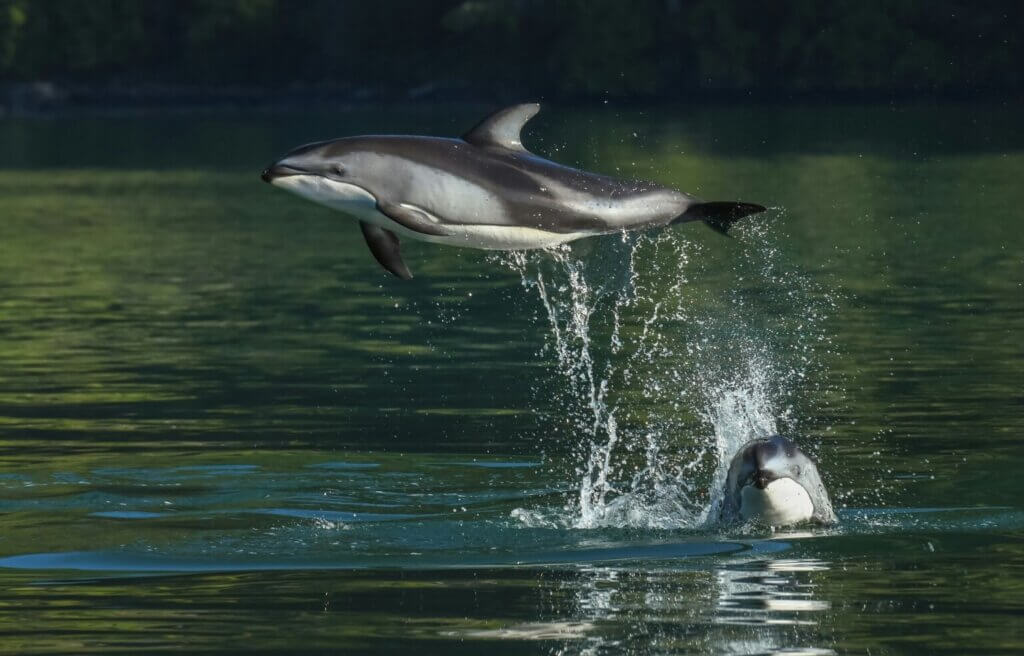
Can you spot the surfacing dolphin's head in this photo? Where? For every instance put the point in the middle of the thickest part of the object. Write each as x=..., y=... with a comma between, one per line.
x=324, y=172
x=772, y=481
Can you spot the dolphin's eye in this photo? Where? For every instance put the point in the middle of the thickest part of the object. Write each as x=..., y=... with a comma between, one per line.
x=338, y=169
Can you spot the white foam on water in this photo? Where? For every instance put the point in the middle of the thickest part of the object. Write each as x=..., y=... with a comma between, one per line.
x=662, y=379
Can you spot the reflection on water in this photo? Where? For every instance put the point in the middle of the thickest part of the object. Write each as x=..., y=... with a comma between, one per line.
x=765, y=597
x=764, y=592
x=773, y=602
x=222, y=428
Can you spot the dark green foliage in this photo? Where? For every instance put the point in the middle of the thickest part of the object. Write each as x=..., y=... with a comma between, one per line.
x=560, y=48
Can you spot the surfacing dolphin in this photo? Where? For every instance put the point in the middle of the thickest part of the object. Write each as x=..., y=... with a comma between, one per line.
x=484, y=190
x=771, y=481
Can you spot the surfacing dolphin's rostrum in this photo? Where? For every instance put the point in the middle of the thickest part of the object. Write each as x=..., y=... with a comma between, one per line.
x=484, y=190
x=771, y=481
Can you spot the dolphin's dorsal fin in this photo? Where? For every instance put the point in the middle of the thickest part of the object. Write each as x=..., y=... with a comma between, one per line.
x=502, y=128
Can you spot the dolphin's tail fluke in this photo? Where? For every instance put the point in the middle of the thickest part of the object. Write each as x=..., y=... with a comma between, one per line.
x=718, y=215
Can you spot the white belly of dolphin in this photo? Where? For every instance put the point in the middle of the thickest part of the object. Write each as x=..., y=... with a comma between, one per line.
x=492, y=237
x=361, y=204
x=781, y=503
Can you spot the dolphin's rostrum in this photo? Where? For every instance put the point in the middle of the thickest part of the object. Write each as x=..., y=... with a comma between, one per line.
x=772, y=481
x=484, y=190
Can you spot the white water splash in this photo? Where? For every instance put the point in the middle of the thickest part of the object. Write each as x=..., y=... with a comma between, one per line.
x=738, y=410
x=649, y=361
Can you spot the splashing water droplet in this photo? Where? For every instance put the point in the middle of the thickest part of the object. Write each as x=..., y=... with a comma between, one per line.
x=648, y=363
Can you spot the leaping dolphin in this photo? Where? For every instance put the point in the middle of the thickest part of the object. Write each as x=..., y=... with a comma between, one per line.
x=772, y=481
x=484, y=190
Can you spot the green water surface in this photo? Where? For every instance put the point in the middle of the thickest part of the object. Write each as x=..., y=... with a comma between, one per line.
x=223, y=428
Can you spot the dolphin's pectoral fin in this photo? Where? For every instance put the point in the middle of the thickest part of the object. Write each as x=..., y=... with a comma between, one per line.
x=385, y=248
x=502, y=128
x=412, y=218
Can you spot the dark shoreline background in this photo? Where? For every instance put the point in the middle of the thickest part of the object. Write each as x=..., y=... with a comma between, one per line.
x=120, y=55
x=51, y=100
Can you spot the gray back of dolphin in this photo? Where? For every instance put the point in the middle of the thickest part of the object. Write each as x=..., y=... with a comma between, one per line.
x=484, y=190
x=761, y=461
x=498, y=186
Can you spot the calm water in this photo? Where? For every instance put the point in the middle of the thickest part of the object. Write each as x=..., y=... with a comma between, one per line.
x=224, y=429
